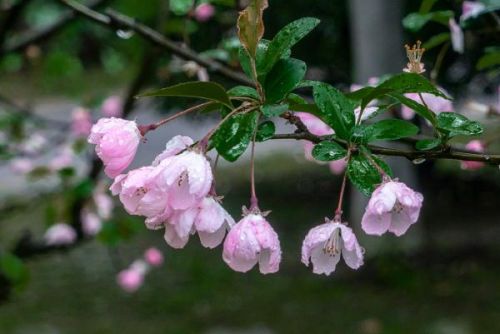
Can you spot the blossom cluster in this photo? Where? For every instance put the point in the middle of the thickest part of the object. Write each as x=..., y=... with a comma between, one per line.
x=176, y=192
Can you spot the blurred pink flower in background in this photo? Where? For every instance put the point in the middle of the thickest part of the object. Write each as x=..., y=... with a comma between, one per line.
x=91, y=223
x=112, y=106
x=474, y=146
x=471, y=9
x=457, y=36
x=436, y=103
x=81, y=122
x=116, y=143
x=153, y=257
x=64, y=158
x=33, y=144
x=130, y=279
x=204, y=12
x=21, y=165
x=60, y=234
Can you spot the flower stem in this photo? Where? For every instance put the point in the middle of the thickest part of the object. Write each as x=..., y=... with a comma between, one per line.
x=146, y=128
x=338, y=211
x=254, y=202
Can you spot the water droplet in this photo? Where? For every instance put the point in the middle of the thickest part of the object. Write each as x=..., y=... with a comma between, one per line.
x=124, y=34
x=487, y=157
x=418, y=161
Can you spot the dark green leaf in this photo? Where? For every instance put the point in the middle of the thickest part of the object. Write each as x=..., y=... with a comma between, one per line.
x=283, y=78
x=390, y=129
x=233, y=137
x=285, y=39
x=243, y=91
x=273, y=110
x=198, y=89
x=328, y=151
x=308, y=83
x=436, y=40
x=181, y=7
x=416, y=21
x=364, y=175
x=427, y=144
x=14, y=269
x=265, y=131
x=293, y=98
x=490, y=59
x=415, y=106
x=336, y=109
x=306, y=107
x=456, y=124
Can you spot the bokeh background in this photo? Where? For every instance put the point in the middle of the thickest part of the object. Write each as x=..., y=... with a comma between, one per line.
x=441, y=278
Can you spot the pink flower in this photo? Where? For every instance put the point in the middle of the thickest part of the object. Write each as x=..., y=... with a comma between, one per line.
x=314, y=124
x=471, y=9
x=153, y=257
x=60, y=234
x=21, y=165
x=104, y=204
x=212, y=222
x=81, y=122
x=116, y=143
x=474, y=146
x=435, y=103
x=179, y=227
x=130, y=279
x=141, y=192
x=112, y=107
x=173, y=147
x=188, y=178
x=64, y=158
x=91, y=223
x=252, y=240
x=393, y=207
x=204, y=12
x=457, y=36
x=324, y=244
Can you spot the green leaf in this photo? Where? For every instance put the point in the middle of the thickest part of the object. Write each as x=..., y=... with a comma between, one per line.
x=283, y=78
x=181, y=7
x=14, y=269
x=328, y=151
x=273, y=110
x=285, y=39
x=336, y=109
x=436, y=40
x=416, y=21
x=488, y=60
x=198, y=89
x=306, y=107
x=390, y=129
x=427, y=144
x=293, y=98
x=265, y=131
x=417, y=107
x=364, y=175
x=456, y=124
x=243, y=91
x=251, y=25
x=401, y=84
x=234, y=135
x=308, y=83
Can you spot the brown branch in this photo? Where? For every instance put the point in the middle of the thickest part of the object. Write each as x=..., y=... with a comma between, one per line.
x=117, y=21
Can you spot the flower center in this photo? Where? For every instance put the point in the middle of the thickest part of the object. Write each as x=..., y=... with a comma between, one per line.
x=182, y=178
x=333, y=245
x=414, y=55
x=141, y=191
x=398, y=207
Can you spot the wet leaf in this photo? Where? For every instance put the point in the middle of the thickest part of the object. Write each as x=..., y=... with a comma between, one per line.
x=328, y=151
x=233, y=137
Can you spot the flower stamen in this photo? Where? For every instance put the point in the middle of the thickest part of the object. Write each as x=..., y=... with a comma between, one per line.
x=414, y=55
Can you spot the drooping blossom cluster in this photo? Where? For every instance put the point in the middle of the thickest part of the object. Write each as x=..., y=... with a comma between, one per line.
x=132, y=278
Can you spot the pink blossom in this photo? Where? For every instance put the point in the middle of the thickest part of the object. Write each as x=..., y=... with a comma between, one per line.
x=130, y=279
x=314, y=124
x=173, y=147
x=91, y=223
x=21, y=165
x=153, y=257
x=474, y=146
x=60, y=234
x=252, y=240
x=204, y=12
x=179, y=226
x=81, y=122
x=471, y=9
x=212, y=222
x=393, y=207
x=104, y=204
x=112, y=107
x=337, y=167
x=457, y=36
x=34, y=144
x=324, y=244
x=436, y=103
x=141, y=192
x=64, y=158
x=188, y=178
x=116, y=143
